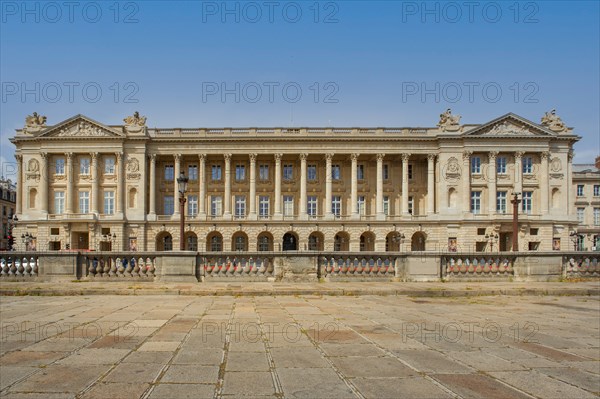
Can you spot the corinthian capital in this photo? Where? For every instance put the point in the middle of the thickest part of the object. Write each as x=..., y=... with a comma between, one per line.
x=467, y=155
x=431, y=157
x=380, y=157
x=329, y=156
x=405, y=157
x=252, y=157
x=303, y=156
x=227, y=157
x=519, y=154
x=492, y=155
x=545, y=154
x=278, y=157
x=354, y=157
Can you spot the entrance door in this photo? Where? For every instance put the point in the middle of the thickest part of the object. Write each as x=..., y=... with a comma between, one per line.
x=81, y=240
x=505, y=241
x=289, y=242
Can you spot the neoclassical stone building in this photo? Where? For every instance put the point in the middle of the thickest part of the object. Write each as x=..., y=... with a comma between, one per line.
x=83, y=184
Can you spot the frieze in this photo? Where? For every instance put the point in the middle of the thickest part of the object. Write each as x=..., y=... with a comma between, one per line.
x=555, y=165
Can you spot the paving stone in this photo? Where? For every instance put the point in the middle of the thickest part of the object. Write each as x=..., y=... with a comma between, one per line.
x=95, y=356
x=431, y=361
x=372, y=367
x=58, y=345
x=116, y=391
x=24, y=358
x=211, y=356
x=415, y=387
x=579, y=378
x=178, y=373
x=315, y=383
x=363, y=350
x=297, y=358
x=475, y=386
x=148, y=357
x=483, y=361
x=34, y=395
x=59, y=378
x=540, y=385
x=11, y=374
x=138, y=372
x=248, y=383
x=182, y=391
x=159, y=346
x=247, y=361
x=592, y=367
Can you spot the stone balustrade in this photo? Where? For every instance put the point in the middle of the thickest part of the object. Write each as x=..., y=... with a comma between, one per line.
x=115, y=265
x=477, y=265
x=581, y=265
x=357, y=265
x=255, y=266
x=18, y=265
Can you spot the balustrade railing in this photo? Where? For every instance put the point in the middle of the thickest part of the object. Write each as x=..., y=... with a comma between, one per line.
x=223, y=265
x=368, y=265
x=475, y=265
x=16, y=264
x=116, y=265
x=581, y=265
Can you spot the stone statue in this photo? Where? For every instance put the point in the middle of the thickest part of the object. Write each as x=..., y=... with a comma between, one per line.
x=449, y=122
x=34, y=123
x=135, y=123
x=553, y=122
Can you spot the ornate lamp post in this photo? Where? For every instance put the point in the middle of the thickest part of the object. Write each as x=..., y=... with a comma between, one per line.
x=515, y=201
x=182, y=182
x=574, y=235
x=491, y=239
x=27, y=239
x=109, y=238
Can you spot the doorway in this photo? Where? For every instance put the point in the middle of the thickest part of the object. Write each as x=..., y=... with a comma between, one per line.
x=81, y=240
x=505, y=241
x=290, y=242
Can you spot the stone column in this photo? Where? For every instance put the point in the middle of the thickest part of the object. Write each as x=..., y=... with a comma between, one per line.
x=544, y=185
x=405, y=158
x=277, y=199
x=95, y=175
x=354, y=187
x=202, y=188
x=44, y=178
x=152, y=202
x=227, y=195
x=379, y=188
x=252, y=211
x=302, y=214
x=466, y=181
x=328, y=186
x=518, y=185
x=120, y=182
x=491, y=179
x=177, y=158
x=431, y=184
x=70, y=179
x=20, y=191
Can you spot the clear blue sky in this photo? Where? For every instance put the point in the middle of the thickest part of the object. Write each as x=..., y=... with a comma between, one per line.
x=367, y=59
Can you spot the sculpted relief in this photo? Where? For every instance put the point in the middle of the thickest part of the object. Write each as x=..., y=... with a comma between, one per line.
x=34, y=123
x=135, y=123
x=449, y=122
x=553, y=122
x=82, y=129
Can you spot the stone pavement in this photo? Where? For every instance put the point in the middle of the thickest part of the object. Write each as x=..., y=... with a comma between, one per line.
x=299, y=346
x=237, y=288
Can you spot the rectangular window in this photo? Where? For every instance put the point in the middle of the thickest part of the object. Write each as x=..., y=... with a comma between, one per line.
x=596, y=190
x=311, y=171
x=216, y=173
x=263, y=172
x=84, y=166
x=410, y=171
x=475, y=165
x=596, y=216
x=336, y=205
x=411, y=204
x=240, y=172
x=476, y=202
x=360, y=172
x=169, y=172
x=240, y=206
x=288, y=172
x=84, y=202
x=501, y=202
x=580, y=215
x=527, y=202
x=192, y=205
x=501, y=165
x=109, y=165
x=288, y=205
x=193, y=172
x=109, y=202
x=580, y=190
x=263, y=206
x=360, y=205
x=312, y=205
x=169, y=205
x=59, y=202
x=386, y=205
x=386, y=171
x=336, y=173
x=59, y=166
x=216, y=205
x=527, y=165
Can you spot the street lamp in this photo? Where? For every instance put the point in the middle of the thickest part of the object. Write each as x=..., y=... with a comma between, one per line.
x=574, y=235
x=182, y=182
x=109, y=238
x=515, y=201
x=491, y=239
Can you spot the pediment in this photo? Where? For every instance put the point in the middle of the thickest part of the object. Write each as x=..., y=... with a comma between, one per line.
x=510, y=125
x=80, y=126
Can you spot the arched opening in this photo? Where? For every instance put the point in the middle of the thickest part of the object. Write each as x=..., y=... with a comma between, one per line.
x=367, y=241
x=132, y=198
x=452, y=197
x=32, y=198
x=265, y=241
x=191, y=241
x=290, y=242
x=315, y=241
x=341, y=241
x=164, y=241
x=394, y=241
x=555, y=198
x=214, y=242
x=417, y=242
x=239, y=241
